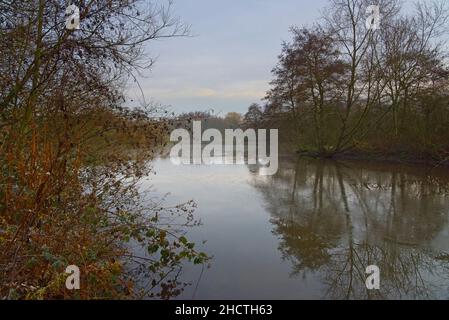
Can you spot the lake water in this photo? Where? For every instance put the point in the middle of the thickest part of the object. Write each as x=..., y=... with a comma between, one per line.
x=310, y=231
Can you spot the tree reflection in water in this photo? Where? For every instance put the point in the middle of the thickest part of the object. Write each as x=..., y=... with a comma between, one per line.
x=337, y=218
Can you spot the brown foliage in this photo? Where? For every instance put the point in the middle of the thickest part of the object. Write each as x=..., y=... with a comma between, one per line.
x=71, y=154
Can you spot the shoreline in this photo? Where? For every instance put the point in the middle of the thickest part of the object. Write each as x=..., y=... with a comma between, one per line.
x=389, y=158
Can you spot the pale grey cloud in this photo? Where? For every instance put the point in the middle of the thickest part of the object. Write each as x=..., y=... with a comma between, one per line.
x=226, y=64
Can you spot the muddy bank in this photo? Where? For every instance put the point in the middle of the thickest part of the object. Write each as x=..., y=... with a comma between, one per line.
x=382, y=157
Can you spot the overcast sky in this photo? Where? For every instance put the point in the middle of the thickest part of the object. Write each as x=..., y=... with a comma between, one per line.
x=226, y=65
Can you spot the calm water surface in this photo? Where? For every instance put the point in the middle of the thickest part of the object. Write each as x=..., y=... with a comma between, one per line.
x=310, y=231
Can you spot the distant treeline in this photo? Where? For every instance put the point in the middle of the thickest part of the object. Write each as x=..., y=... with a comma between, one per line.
x=210, y=120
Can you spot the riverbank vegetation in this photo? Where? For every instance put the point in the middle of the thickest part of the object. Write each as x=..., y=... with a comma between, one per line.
x=341, y=88
x=68, y=169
